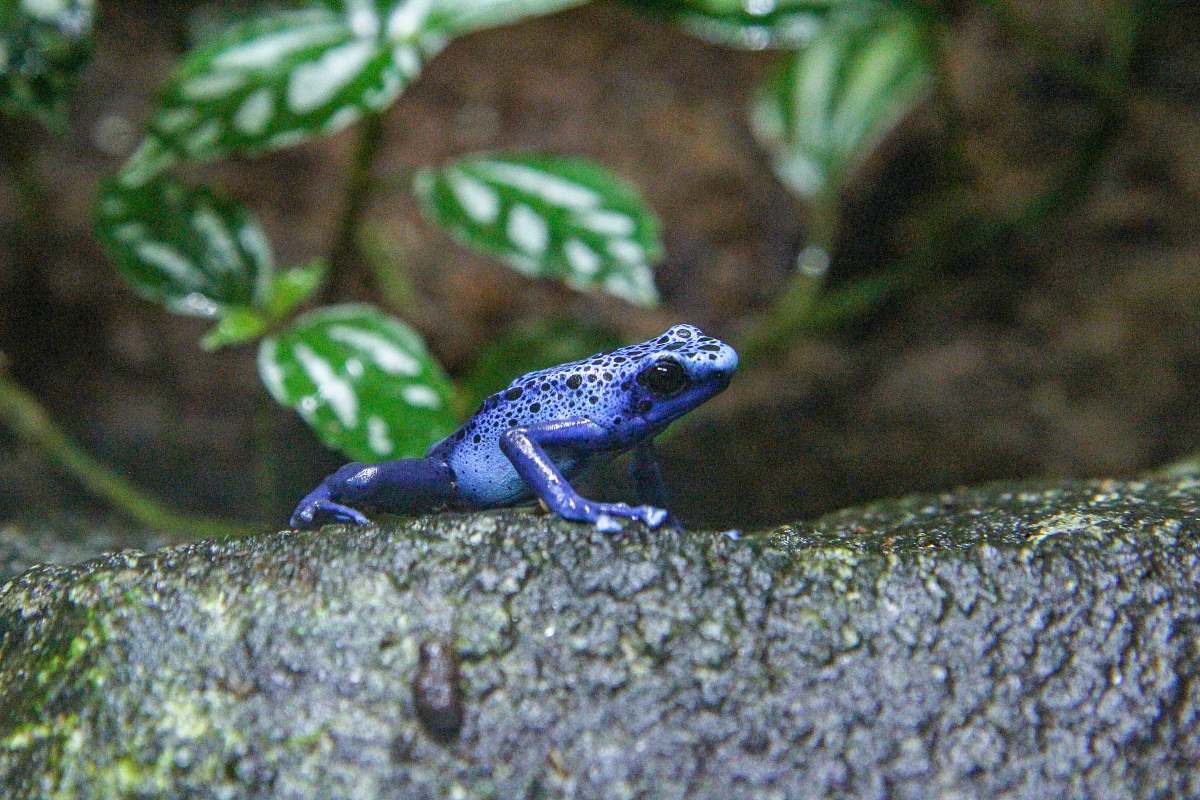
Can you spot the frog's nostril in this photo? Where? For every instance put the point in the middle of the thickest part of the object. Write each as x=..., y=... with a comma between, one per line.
x=726, y=361
x=733, y=359
x=718, y=367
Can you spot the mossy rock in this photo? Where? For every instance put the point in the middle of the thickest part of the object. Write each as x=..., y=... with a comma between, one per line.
x=1027, y=641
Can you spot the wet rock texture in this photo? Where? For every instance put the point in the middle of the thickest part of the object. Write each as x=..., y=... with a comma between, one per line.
x=1037, y=641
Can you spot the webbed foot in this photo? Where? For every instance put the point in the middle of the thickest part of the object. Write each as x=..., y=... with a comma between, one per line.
x=606, y=516
x=317, y=512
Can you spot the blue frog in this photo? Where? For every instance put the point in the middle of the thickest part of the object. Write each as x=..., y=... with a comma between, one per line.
x=546, y=427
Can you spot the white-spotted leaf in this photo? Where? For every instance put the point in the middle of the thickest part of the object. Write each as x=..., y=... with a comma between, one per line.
x=44, y=45
x=185, y=247
x=364, y=382
x=548, y=216
x=839, y=96
x=457, y=17
x=748, y=24
x=284, y=78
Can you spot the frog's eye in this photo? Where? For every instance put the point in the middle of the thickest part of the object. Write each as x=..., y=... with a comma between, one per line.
x=663, y=378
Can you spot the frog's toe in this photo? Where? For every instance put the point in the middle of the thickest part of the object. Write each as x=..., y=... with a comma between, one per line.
x=302, y=518
x=653, y=517
x=606, y=523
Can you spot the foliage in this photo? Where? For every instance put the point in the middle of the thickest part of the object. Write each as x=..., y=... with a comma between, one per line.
x=286, y=77
x=364, y=381
x=44, y=44
x=450, y=18
x=548, y=216
x=185, y=247
x=747, y=24
x=853, y=70
x=836, y=98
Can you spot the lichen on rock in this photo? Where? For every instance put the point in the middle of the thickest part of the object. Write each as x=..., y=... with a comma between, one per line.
x=1008, y=641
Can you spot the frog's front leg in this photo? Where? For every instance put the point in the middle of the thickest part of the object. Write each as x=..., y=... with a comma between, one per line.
x=647, y=478
x=646, y=475
x=524, y=448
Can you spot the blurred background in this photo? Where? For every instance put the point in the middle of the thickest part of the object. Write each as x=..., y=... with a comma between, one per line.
x=999, y=278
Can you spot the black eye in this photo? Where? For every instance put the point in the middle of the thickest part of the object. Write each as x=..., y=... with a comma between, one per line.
x=663, y=378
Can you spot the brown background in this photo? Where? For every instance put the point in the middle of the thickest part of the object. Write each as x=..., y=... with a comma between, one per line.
x=1071, y=349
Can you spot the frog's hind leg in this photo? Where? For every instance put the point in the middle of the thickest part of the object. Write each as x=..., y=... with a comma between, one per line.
x=405, y=485
x=317, y=508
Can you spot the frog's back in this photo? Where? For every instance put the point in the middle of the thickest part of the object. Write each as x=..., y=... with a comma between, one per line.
x=596, y=387
x=600, y=389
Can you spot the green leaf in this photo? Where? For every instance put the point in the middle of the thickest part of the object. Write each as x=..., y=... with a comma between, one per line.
x=549, y=216
x=542, y=344
x=284, y=292
x=238, y=326
x=291, y=288
x=44, y=45
x=193, y=251
x=362, y=380
x=285, y=78
x=457, y=17
x=208, y=21
x=836, y=99
x=747, y=24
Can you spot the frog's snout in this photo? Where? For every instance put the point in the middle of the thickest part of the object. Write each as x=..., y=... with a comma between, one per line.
x=717, y=365
x=727, y=362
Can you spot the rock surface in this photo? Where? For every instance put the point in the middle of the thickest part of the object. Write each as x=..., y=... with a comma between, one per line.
x=1030, y=641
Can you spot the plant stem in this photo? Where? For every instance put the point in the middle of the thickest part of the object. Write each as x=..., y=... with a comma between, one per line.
x=343, y=252
x=383, y=260
x=794, y=306
x=22, y=413
x=965, y=233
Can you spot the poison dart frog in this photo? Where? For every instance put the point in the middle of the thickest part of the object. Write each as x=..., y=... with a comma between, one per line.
x=548, y=426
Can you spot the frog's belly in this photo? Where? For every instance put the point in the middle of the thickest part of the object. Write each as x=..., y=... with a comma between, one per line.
x=486, y=480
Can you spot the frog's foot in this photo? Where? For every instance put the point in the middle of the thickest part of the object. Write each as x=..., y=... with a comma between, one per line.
x=673, y=523
x=607, y=516
x=317, y=512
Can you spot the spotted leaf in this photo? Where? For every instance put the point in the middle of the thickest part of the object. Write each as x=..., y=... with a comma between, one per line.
x=835, y=99
x=457, y=17
x=748, y=24
x=364, y=382
x=548, y=216
x=284, y=78
x=44, y=45
x=185, y=247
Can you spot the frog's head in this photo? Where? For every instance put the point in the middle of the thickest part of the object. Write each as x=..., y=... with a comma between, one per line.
x=677, y=371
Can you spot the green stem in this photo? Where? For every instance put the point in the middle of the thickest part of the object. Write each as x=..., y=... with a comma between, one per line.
x=793, y=308
x=382, y=258
x=964, y=233
x=343, y=253
x=22, y=413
